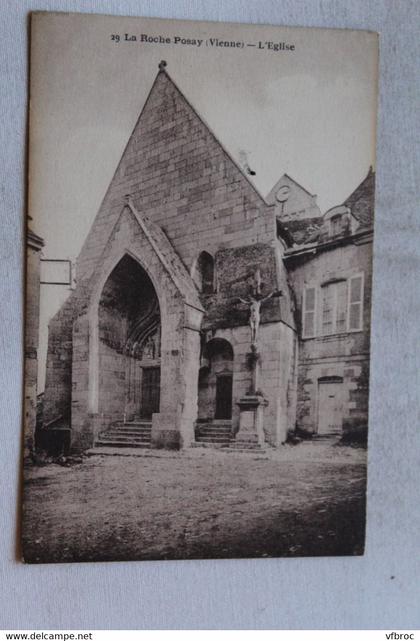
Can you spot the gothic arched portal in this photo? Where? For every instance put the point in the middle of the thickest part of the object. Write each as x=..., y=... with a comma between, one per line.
x=129, y=344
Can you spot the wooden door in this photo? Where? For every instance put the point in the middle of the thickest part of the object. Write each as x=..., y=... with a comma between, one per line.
x=224, y=397
x=150, y=392
x=330, y=407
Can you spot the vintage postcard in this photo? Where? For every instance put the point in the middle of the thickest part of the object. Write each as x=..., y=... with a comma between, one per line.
x=200, y=229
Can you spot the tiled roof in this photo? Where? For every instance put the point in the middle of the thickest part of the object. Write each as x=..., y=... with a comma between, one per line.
x=362, y=201
x=361, y=204
x=300, y=230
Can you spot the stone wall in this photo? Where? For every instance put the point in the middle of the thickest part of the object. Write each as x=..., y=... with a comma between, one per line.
x=34, y=246
x=58, y=377
x=235, y=271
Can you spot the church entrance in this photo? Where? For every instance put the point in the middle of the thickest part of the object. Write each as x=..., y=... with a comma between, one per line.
x=150, y=392
x=129, y=344
x=215, y=381
x=223, y=397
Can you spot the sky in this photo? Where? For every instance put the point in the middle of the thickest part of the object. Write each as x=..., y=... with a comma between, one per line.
x=309, y=112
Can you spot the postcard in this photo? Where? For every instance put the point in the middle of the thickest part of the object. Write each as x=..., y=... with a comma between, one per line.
x=199, y=272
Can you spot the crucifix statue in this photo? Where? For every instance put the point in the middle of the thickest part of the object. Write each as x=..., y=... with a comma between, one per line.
x=252, y=404
x=254, y=301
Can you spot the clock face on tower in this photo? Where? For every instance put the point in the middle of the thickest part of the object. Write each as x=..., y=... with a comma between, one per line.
x=283, y=194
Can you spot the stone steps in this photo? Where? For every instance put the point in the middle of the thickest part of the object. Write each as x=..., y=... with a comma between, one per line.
x=201, y=427
x=114, y=434
x=323, y=439
x=212, y=439
x=211, y=445
x=213, y=434
x=133, y=425
x=224, y=435
x=119, y=443
x=243, y=446
x=132, y=434
x=214, y=429
x=139, y=422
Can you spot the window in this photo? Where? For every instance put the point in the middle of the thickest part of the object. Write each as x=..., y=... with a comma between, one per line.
x=336, y=308
x=341, y=306
x=335, y=225
x=205, y=273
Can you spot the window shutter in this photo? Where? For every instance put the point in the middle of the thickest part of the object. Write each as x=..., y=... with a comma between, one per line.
x=328, y=309
x=355, y=318
x=308, y=316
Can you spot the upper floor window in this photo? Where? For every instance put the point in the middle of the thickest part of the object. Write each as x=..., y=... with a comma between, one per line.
x=205, y=273
x=334, y=308
x=339, y=221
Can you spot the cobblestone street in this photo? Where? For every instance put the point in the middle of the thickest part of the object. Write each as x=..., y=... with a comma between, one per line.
x=306, y=500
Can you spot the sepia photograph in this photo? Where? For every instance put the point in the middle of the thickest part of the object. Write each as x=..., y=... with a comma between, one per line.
x=198, y=289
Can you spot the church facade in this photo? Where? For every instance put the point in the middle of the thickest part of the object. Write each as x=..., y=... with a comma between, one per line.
x=204, y=313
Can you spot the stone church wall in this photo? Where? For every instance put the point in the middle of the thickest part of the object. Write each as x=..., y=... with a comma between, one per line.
x=181, y=177
x=191, y=197
x=235, y=271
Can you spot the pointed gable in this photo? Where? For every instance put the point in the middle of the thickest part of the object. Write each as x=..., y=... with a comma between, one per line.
x=292, y=201
x=176, y=171
x=296, y=208
x=293, y=185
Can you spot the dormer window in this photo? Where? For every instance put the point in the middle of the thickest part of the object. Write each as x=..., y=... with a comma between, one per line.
x=335, y=225
x=339, y=221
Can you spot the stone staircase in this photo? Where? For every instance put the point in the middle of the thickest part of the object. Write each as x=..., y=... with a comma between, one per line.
x=213, y=434
x=245, y=446
x=130, y=434
x=322, y=439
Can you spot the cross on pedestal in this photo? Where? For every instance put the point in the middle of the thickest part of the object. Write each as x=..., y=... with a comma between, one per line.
x=254, y=302
x=252, y=405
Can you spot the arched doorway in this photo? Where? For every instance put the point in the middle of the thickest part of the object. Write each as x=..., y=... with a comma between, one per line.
x=215, y=381
x=129, y=344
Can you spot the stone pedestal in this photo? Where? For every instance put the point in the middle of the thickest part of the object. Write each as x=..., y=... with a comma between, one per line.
x=251, y=421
